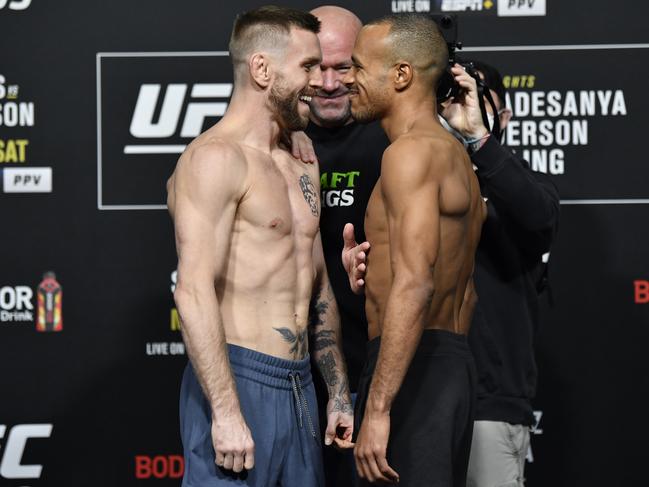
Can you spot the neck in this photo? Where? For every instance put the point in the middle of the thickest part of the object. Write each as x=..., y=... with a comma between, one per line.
x=406, y=110
x=248, y=114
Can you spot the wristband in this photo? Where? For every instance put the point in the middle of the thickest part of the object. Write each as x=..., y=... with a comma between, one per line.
x=474, y=144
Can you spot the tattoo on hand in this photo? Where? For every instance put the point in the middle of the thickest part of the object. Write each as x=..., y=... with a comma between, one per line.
x=342, y=401
x=298, y=341
x=308, y=190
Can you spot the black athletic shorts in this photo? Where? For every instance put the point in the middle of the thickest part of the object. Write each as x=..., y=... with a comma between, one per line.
x=431, y=420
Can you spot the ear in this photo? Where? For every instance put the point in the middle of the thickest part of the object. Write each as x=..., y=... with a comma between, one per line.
x=403, y=75
x=504, y=117
x=259, y=69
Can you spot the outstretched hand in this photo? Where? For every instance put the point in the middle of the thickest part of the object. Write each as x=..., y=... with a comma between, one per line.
x=354, y=257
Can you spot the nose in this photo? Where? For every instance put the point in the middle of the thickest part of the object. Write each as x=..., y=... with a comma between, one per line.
x=315, y=80
x=331, y=80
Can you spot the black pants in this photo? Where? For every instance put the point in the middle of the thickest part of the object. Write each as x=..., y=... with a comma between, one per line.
x=431, y=420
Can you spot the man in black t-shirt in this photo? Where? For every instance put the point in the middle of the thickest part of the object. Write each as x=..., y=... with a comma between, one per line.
x=350, y=163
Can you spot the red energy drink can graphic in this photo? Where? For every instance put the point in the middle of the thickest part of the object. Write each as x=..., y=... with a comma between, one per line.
x=50, y=304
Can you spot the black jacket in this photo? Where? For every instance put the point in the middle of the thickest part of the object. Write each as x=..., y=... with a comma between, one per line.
x=523, y=215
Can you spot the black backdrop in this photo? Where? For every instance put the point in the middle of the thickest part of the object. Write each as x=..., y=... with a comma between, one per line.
x=96, y=403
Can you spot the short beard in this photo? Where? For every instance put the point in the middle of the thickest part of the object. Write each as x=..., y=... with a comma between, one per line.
x=285, y=107
x=377, y=104
x=367, y=114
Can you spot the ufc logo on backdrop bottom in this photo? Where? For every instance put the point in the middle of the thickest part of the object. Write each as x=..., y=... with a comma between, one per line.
x=13, y=441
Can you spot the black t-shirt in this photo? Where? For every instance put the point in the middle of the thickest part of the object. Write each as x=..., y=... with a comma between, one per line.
x=350, y=164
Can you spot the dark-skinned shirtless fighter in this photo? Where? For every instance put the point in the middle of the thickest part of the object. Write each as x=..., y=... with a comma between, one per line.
x=246, y=219
x=423, y=222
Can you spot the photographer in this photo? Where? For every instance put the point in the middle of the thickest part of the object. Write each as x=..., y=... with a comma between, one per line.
x=523, y=215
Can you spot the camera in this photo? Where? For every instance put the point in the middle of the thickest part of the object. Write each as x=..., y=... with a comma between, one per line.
x=447, y=87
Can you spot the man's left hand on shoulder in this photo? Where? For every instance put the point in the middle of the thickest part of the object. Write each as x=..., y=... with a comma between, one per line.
x=302, y=148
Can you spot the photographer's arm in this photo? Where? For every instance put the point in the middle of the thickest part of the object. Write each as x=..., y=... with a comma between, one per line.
x=531, y=200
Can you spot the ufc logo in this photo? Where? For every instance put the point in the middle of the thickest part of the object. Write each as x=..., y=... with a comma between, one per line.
x=15, y=4
x=143, y=125
x=12, y=453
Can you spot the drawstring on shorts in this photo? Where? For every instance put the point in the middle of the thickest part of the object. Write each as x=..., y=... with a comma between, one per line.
x=300, y=400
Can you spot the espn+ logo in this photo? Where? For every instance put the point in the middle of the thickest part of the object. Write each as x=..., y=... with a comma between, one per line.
x=12, y=451
x=15, y=4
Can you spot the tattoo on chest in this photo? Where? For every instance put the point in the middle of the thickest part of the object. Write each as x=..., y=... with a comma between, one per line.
x=310, y=195
x=297, y=341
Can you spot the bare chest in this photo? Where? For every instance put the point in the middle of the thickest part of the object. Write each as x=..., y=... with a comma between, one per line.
x=282, y=201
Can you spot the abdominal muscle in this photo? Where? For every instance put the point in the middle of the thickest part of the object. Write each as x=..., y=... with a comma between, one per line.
x=265, y=307
x=444, y=310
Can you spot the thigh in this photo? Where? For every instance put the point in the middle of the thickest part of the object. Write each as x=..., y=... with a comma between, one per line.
x=303, y=465
x=431, y=423
x=259, y=405
x=497, y=454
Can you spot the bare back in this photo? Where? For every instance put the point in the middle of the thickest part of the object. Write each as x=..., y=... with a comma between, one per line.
x=265, y=277
x=440, y=218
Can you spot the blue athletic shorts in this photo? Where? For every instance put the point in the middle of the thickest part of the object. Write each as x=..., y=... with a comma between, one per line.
x=278, y=403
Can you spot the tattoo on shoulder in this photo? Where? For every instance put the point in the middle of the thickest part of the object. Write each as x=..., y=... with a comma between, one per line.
x=298, y=341
x=309, y=192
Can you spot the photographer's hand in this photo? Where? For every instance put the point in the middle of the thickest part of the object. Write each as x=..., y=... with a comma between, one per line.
x=463, y=113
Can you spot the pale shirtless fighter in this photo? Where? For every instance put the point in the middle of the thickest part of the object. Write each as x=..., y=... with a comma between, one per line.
x=423, y=221
x=246, y=218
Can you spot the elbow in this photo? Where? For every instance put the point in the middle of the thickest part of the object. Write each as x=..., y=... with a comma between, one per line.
x=420, y=288
x=184, y=296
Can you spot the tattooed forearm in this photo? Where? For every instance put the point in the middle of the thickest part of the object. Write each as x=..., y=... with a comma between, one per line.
x=297, y=340
x=319, y=307
x=321, y=337
x=327, y=366
x=324, y=326
x=342, y=401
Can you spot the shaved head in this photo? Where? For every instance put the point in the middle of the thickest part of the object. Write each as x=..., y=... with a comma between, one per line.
x=416, y=39
x=338, y=30
x=337, y=25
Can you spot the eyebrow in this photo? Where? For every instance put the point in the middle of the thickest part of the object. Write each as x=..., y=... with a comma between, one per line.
x=312, y=61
